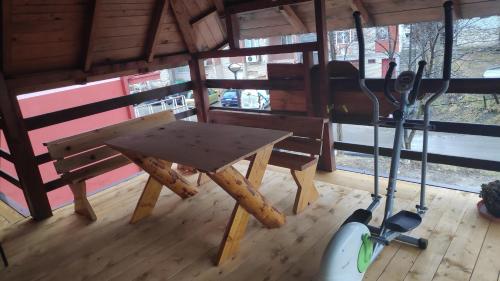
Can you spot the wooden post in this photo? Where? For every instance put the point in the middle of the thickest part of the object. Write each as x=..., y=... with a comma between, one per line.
x=24, y=157
x=200, y=91
x=323, y=99
x=233, y=31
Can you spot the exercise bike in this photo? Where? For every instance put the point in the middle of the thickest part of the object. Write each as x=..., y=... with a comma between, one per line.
x=357, y=244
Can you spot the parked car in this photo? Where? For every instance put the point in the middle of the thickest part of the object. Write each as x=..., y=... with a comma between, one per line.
x=250, y=99
x=229, y=98
x=213, y=97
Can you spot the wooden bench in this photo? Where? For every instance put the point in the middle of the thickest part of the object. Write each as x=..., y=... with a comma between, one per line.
x=299, y=153
x=84, y=156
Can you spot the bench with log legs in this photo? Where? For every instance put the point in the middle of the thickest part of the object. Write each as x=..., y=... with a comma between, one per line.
x=84, y=156
x=299, y=153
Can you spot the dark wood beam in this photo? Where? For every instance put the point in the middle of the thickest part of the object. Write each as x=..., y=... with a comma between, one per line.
x=219, y=5
x=292, y=18
x=21, y=149
x=183, y=22
x=159, y=15
x=457, y=9
x=233, y=31
x=257, y=51
x=48, y=80
x=6, y=36
x=92, y=33
x=258, y=5
x=200, y=90
x=357, y=5
x=322, y=99
x=275, y=84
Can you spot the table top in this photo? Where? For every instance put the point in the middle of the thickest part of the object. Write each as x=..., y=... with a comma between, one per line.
x=206, y=147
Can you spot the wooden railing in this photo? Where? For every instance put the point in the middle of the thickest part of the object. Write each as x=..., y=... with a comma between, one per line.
x=65, y=115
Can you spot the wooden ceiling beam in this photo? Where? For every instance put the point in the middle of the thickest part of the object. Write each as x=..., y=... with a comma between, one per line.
x=219, y=5
x=457, y=9
x=92, y=33
x=22, y=84
x=153, y=37
x=357, y=5
x=259, y=4
x=292, y=18
x=183, y=22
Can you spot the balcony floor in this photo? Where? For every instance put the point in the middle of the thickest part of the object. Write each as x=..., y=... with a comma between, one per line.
x=180, y=240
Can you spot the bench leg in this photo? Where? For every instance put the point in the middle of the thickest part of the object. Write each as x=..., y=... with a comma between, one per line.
x=148, y=200
x=82, y=205
x=307, y=192
x=237, y=224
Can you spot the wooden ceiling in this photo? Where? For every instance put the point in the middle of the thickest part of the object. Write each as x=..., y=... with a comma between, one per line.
x=52, y=43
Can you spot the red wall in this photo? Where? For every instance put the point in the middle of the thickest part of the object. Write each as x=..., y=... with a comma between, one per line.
x=49, y=101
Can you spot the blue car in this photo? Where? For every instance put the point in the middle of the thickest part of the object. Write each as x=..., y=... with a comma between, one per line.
x=230, y=98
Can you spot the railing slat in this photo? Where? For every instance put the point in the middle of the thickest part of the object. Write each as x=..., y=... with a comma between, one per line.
x=69, y=114
x=458, y=161
x=13, y=180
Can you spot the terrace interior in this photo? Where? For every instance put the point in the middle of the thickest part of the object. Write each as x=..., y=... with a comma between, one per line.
x=52, y=43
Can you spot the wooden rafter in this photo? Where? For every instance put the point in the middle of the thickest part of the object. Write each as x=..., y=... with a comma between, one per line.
x=89, y=47
x=183, y=21
x=159, y=15
x=357, y=5
x=258, y=5
x=293, y=19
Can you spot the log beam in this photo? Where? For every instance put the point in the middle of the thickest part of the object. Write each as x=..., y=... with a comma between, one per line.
x=147, y=201
x=238, y=222
x=292, y=18
x=21, y=149
x=357, y=5
x=162, y=172
x=159, y=15
x=92, y=33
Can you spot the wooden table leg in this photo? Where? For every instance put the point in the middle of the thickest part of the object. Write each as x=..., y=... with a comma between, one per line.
x=161, y=173
x=147, y=201
x=236, y=227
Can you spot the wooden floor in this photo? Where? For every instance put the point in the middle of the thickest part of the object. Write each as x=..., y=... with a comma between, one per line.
x=180, y=240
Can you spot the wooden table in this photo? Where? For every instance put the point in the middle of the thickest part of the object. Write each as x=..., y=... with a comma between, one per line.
x=211, y=149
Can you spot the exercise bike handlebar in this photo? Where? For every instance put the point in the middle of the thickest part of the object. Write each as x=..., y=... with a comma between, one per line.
x=361, y=43
x=387, y=80
x=416, y=85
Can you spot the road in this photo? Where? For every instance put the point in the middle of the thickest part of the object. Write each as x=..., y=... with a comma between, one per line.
x=479, y=147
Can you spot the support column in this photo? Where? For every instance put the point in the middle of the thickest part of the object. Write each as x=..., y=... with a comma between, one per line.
x=24, y=157
x=200, y=91
x=322, y=101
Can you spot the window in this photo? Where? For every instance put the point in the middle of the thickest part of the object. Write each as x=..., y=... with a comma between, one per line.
x=343, y=37
x=288, y=39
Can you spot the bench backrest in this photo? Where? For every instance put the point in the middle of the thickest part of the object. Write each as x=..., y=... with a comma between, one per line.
x=84, y=156
x=307, y=131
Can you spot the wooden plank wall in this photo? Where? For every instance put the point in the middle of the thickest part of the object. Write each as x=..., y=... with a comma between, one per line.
x=270, y=22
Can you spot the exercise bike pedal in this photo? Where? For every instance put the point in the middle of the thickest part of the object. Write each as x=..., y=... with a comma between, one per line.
x=360, y=215
x=403, y=221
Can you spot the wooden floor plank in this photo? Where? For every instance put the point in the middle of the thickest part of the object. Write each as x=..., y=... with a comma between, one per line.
x=488, y=264
x=459, y=261
x=180, y=239
x=429, y=260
